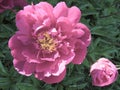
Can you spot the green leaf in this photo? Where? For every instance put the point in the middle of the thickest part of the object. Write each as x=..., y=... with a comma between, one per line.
x=35, y=81
x=48, y=87
x=2, y=70
x=1, y=54
x=4, y=82
x=70, y=69
x=60, y=87
x=71, y=80
x=25, y=86
x=86, y=63
x=81, y=86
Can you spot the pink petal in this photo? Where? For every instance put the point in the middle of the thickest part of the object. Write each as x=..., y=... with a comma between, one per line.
x=31, y=54
x=65, y=25
x=105, y=74
x=39, y=75
x=25, y=39
x=29, y=68
x=12, y=41
x=50, y=56
x=45, y=66
x=16, y=47
x=77, y=33
x=66, y=55
x=25, y=19
x=64, y=48
x=60, y=10
x=55, y=79
x=48, y=8
x=23, y=67
x=19, y=66
x=87, y=36
x=60, y=67
x=23, y=52
x=74, y=14
x=45, y=6
x=22, y=23
x=80, y=52
x=51, y=68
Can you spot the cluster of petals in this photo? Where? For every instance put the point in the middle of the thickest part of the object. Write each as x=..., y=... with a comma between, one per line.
x=103, y=72
x=9, y=4
x=48, y=39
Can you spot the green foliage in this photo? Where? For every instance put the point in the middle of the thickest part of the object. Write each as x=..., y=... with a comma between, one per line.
x=103, y=19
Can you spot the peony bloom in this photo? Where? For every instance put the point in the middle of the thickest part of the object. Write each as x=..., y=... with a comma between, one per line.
x=8, y=4
x=48, y=38
x=103, y=72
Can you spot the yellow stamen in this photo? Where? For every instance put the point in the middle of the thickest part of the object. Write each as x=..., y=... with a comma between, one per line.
x=47, y=43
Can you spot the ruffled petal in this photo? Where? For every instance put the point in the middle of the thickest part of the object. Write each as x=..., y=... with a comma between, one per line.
x=29, y=68
x=48, y=8
x=77, y=33
x=55, y=79
x=65, y=26
x=24, y=67
x=23, y=52
x=50, y=56
x=21, y=22
x=46, y=66
x=74, y=14
x=68, y=56
x=59, y=68
x=60, y=10
x=86, y=38
x=19, y=66
x=25, y=19
x=16, y=48
x=25, y=39
x=39, y=75
x=45, y=6
x=80, y=52
x=31, y=54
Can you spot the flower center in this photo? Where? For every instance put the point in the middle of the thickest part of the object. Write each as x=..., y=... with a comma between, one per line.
x=47, y=43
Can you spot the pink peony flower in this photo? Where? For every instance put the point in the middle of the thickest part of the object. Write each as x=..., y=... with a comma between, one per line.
x=8, y=4
x=103, y=72
x=48, y=38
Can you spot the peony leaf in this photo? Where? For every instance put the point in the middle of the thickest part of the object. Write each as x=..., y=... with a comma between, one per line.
x=2, y=70
x=25, y=86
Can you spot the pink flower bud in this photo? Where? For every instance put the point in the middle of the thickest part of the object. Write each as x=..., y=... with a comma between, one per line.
x=103, y=72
